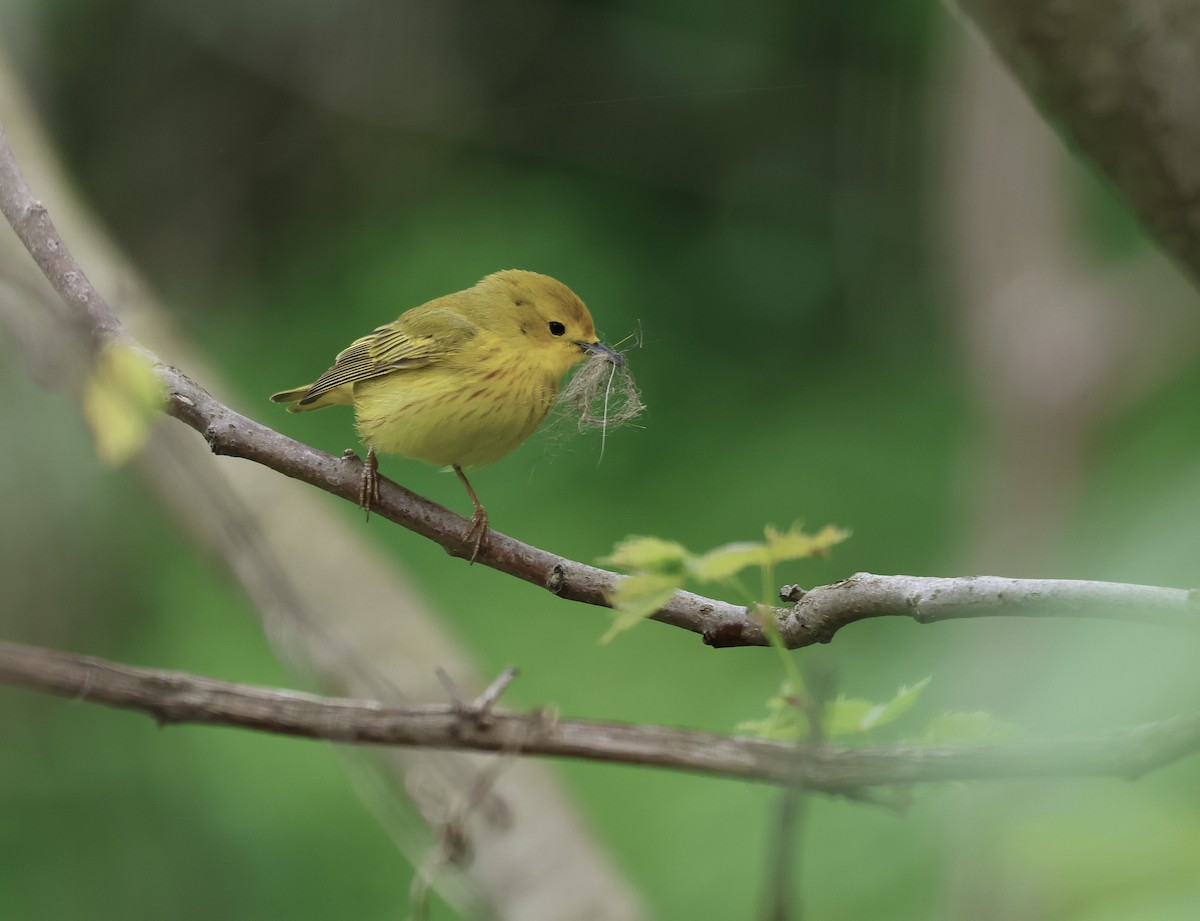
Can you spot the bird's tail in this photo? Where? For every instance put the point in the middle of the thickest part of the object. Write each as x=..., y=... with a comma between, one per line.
x=295, y=396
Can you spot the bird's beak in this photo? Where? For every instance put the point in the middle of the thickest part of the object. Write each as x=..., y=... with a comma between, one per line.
x=599, y=348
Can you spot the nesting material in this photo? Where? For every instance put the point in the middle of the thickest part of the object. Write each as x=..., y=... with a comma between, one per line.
x=601, y=394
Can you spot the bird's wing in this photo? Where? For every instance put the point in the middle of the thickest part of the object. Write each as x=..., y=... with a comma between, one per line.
x=418, y=339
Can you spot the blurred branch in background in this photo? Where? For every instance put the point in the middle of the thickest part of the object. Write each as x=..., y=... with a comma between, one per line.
x=1120, y=77
x=348, y=616
x=1058, y=341
x=782, y=889
x=176, y=697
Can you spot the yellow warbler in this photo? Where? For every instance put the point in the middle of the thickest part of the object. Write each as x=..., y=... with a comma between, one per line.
x=460, y=381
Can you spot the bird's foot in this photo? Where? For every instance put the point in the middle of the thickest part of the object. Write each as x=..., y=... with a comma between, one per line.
x=368, y=488
x=477, y=532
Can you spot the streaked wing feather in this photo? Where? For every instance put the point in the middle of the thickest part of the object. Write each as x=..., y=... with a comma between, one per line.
x=394, y=347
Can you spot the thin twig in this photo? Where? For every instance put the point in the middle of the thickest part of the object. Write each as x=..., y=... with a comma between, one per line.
x=783, y=867
x=482, y=705
x=177, y=697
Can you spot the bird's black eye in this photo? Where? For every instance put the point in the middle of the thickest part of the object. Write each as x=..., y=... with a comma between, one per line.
x=557, y=328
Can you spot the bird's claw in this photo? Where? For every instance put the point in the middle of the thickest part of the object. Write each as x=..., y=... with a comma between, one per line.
x=368, y=488
x=477, y=532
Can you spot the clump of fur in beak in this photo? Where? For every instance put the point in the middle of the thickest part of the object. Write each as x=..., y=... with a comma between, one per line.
x=602, y=393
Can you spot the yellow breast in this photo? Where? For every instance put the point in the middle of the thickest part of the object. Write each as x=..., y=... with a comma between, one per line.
x=469, y=413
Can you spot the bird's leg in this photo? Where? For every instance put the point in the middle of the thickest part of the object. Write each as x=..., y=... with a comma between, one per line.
x=368, y=489
x=477, y=532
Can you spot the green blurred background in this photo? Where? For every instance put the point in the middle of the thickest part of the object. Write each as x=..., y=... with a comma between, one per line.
x=870, y=290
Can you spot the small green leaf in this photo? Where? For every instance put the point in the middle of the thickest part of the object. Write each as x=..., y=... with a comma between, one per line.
x=637, y=597
x=727, y=561
x=968, y=728
x=648, y=554
x=121, y=398
x=782, y=727
x=722, y=562
x=897, y=706
x=846, y=716
x=794, y=544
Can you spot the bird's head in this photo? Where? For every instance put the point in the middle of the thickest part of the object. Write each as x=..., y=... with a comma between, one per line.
x=547, y=316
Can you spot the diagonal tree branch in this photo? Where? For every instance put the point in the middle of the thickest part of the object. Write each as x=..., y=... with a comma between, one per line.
x=177, y=697
x=815, y=618
x=348, y=620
